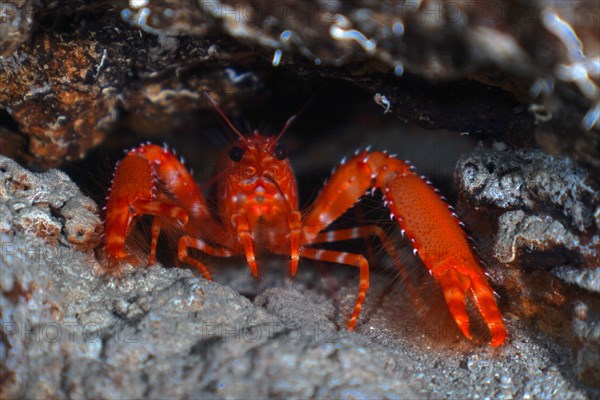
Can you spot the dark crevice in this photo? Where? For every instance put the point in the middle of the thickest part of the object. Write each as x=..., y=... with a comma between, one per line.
x=8, y=122
x=13, y=143
x=64, y=375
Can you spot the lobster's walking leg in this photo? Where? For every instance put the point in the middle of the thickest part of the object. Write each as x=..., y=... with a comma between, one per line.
x=364, y=232
x=356, y=260
x=158, y=210
x=357, y=233
x=186, y=242
x=155, y=232
x=295, y=226
x=117, y=225
x=434, y=231
x=243, y=231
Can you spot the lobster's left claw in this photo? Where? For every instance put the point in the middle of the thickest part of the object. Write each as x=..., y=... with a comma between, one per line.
x=433, y=229
x=457, y=283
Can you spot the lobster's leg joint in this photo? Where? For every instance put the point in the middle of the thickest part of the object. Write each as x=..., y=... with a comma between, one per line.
x=356, y=260
x=186, y=242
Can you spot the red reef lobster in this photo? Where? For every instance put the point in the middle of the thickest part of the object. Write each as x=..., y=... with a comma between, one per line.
x=258, y=210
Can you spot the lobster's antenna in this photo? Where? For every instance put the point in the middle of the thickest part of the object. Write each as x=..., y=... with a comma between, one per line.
x=288, y=123
x=222, y=114
x=291, y=120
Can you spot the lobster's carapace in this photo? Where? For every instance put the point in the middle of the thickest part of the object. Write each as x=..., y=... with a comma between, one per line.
x=258, y=210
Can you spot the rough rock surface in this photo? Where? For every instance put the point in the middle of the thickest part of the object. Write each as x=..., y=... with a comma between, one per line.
x=67, y=89
x=520, y=234
x=529, y=179
x=525, y=72
x=550, y=204
x=70, y=331
x=545, y=208
x=586, y=328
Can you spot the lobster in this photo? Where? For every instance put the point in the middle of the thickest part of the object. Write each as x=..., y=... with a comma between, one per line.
x=258, y=210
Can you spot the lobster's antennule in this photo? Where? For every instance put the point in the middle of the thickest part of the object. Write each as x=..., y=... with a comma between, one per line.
x=222, y=114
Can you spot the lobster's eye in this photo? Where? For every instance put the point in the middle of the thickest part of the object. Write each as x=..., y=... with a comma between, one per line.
x=281, y=152
x=236, y=153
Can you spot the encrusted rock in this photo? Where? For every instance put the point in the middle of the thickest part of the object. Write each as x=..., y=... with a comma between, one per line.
x=545, y=53
x=48, y=206
x=530, y=180
x=587, y=279
x=512, y=65
x=64, y=89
